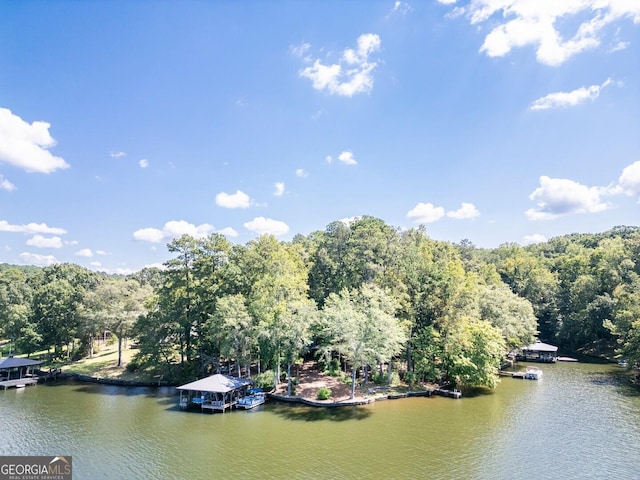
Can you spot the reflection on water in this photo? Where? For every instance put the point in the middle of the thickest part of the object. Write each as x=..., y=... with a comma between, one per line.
x=290, y=411
x=580, y=421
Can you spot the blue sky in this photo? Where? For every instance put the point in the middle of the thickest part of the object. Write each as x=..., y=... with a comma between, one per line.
x=126, y=124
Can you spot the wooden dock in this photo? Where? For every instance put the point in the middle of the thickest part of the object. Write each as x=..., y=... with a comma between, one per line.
x=447, y=393
x=18, y=382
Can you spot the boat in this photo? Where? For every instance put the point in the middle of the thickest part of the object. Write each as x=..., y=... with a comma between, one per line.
x=250, y=401
x=533, y=373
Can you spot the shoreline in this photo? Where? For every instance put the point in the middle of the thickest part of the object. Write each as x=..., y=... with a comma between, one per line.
x=357, y=401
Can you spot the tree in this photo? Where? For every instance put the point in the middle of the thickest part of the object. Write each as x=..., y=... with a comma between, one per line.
x=56, y=303
x=511, y=314
x=475, y=355
x=275, y=277
x=15, y=311
x=232, y=327
x=361, y=326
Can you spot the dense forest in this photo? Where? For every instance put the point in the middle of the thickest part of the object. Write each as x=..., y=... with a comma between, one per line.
x=360, y=295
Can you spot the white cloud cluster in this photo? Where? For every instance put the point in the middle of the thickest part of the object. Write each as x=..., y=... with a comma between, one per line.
x=279, y=189
x=544, y=24
x=556, y=197
x=352, y=74
x=172, y=229
x=6, y=184
x=465, y=212
x=262, y=226
x=429, y=213
x=117, y=154
x=629, y=181
x=25, y=145
x=233, y=200
x=31, y=228
x=569, y=99
x=38, y=260
x=39, y=241
x=400, y=8
x=345, y=157
x=144, y=163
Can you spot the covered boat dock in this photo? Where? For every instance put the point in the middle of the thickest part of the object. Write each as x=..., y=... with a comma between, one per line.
x=217, y=392
x=17, y=372
x=538, y=352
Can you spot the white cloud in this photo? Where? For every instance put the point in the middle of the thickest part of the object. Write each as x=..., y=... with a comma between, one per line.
x=117, y=154
x=25, y=145
x=38, y=260
x=233, y=200
x=101, y=252
x=426, y=213
x=556, y=197
x=348, y=221
x=401, y=8
x=152, y=235
x=43, y=242
x=466, y=211
x=144, y=163
x=629, y=181
x=172, y=229
x=533, y=239
x=329, y=159
x=347, y=157
x=279, y=189
x=547, y=25
x=228, y=232
x=31, y=228
x=95, y=264
x=353, y=72
x=262, y=225
x=85, y=252
x=177, y=228
x=301, y=173
x=6, y=184
x=569, y=99
x=301, y=51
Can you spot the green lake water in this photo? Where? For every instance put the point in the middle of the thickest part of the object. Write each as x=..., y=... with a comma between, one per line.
x=581, y=421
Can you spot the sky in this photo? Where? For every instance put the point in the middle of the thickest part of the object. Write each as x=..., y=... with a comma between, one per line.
x=126, y=124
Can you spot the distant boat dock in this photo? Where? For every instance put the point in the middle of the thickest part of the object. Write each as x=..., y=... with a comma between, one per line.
x=17, y=372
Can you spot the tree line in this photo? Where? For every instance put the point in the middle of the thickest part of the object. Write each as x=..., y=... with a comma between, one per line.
x=361, y=293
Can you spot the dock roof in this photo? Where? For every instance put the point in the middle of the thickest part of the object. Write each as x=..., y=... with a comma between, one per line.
x=13, y=362
x=540, y=347
x=217, y=383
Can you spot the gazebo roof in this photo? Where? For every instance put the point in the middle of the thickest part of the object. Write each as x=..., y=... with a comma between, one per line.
x=540, y=347
x=13, y=362
x=217, y=383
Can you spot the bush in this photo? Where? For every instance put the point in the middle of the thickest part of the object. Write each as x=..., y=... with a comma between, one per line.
x=324, y=393
x=411, y=378
x=132, y=366
x=264, y=380
x=334, y=368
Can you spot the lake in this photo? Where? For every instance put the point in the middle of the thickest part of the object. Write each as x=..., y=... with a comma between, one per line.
x=580, y=421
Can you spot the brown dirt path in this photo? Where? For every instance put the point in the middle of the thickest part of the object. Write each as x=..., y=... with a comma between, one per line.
x=310, y=380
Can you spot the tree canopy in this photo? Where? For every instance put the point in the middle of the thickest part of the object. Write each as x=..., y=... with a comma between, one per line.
x=361, y=291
